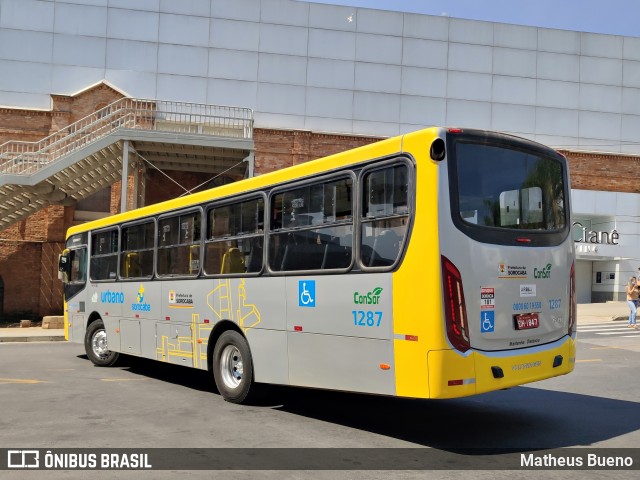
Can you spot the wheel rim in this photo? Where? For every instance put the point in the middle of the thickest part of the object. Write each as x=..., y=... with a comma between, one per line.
x=99, y=344
x=231, y=367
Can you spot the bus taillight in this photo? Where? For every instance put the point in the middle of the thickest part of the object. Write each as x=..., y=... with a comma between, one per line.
x=572, y=299
x=454, y=306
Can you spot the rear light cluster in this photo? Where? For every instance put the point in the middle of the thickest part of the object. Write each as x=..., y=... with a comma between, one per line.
x=572, y=300
x=455, y=309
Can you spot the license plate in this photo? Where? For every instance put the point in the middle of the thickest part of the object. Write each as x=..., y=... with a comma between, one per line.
x=525, y=321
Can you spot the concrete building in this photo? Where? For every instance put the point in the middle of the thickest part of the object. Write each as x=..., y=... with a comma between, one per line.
x=319, y=79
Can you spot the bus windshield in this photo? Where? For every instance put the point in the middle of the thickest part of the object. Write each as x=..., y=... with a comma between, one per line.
x=510, y=189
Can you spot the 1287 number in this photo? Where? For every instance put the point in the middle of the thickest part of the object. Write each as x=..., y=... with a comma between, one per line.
x=368, y=318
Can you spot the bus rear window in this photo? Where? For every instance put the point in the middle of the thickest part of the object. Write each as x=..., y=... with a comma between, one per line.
x=508, y=188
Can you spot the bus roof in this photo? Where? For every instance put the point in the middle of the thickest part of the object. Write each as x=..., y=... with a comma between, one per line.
x=332, y=162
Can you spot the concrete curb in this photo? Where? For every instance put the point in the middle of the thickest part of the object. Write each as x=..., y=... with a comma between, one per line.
x=41, y=338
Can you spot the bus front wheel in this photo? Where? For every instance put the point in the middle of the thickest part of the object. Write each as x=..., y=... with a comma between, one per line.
x=233, y=367
x=95, y=344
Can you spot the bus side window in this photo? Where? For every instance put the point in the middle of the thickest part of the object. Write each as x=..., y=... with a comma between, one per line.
x=104, y=255
x=234, y=238
x=132, y=265
x=384, y=216
x=213, y=256
x=253, y=262
x=136, y=254
x=78, y=272
x=232, y=261
x=179, y=245
x=385, y=249
x=316, y=229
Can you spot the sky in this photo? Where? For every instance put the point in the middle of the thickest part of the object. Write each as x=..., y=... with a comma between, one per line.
x=614, y=17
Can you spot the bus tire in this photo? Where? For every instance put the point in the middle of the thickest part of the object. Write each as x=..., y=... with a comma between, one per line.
x=233, y=367
x=95, y=344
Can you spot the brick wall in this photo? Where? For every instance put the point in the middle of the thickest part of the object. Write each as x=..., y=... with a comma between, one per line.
x=50, y=299
x=20, y=266
x=597, y=171
x=86, y=102
x=23, y=125
x=277, y=149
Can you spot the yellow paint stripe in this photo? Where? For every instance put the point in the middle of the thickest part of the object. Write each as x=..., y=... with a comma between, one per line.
x=589, y=360
x=21, y=381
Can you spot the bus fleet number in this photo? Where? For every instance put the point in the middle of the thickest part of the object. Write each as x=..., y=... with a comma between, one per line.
x=554, y=304
x=368, y=318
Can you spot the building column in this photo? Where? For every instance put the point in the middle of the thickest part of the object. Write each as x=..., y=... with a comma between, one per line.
x=135, y=186
x=250, y=159
x=125, y=176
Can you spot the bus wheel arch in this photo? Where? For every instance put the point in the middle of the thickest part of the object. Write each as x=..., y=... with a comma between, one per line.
x=230, y=361
x=93, y=317
x=95, y=343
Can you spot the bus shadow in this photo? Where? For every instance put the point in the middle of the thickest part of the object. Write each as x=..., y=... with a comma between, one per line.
x=166, y=372
x=520, y=419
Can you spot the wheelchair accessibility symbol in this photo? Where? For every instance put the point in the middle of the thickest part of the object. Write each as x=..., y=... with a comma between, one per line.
x=306, y=293
x=487, y=323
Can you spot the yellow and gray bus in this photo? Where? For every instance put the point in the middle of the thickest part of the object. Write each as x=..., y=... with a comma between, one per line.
x=436, y=264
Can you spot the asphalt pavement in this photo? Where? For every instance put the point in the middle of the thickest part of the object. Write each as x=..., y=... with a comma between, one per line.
x=587, y=313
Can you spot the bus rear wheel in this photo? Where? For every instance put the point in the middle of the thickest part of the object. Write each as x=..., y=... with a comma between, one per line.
x=95, y=344
x=233, y=367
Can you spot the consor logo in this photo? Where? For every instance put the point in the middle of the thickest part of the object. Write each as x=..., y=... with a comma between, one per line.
x=369, y=298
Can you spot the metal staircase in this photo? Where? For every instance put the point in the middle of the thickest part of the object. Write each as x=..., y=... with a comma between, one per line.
x=86, y=156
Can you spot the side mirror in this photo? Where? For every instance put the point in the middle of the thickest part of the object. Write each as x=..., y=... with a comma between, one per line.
x=64, y=266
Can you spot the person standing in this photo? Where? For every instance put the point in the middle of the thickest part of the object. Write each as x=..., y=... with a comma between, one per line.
x=632, y=300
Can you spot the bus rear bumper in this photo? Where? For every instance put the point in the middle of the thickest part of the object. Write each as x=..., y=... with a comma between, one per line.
x=452, y=374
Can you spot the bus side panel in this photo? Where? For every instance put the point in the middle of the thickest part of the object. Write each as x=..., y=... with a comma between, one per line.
x=269, y=355
x=258, y=307
x=174, y=344
x=417, y=306
x=75, y=317
x=107, y=299
x=184, y=324
x=141, y=307
x=339, y=332
x=77, y=329
x=112, y=329
x=341, y=363
x=344, y=305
